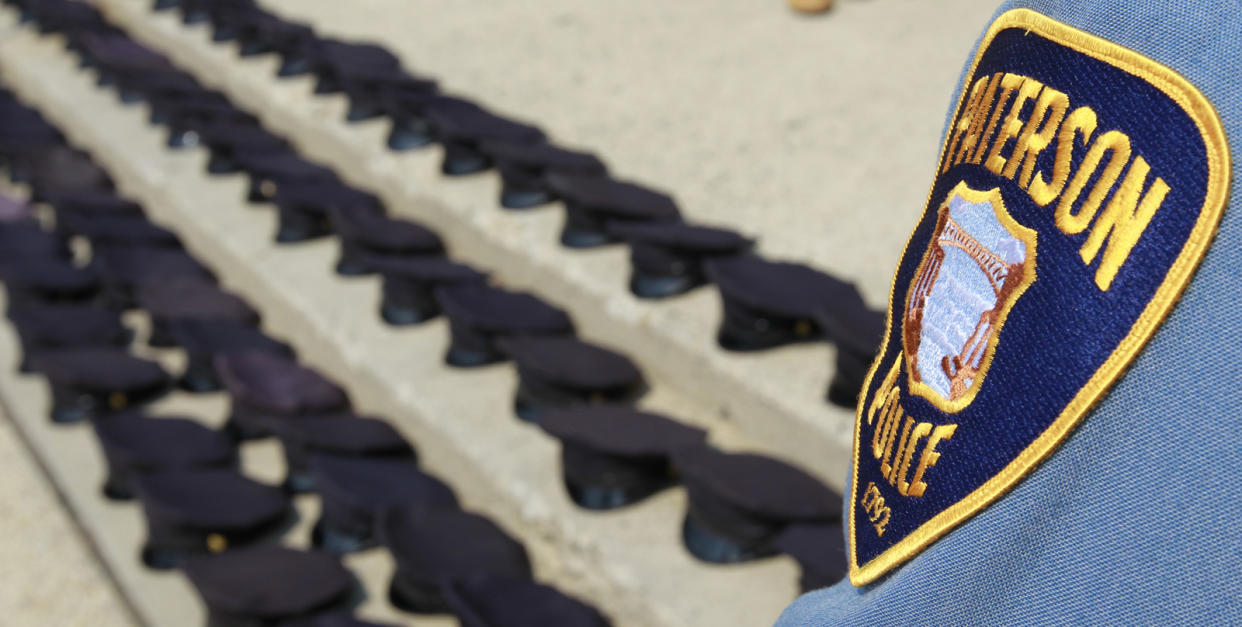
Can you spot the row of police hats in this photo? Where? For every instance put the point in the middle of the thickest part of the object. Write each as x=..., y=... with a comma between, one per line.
x=560, y=376
x=202, y=515
x=766, y=304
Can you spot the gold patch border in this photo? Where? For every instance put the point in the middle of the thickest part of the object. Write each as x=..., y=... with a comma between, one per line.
x=1205, y=116
x=1028, y=237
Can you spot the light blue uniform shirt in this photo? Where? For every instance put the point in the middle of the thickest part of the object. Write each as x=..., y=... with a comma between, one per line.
x=1136, y=518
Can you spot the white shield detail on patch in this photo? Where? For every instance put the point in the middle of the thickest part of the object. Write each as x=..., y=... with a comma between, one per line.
x=978, y=263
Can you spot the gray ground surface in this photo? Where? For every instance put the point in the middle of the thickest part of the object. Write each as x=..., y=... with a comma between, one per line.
x=818, y=135
x=48, y=575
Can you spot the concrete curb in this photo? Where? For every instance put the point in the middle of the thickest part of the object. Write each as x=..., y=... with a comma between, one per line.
x=630, y=563
x=776, y=398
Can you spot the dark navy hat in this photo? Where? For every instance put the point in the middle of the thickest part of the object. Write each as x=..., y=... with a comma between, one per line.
x=592, y=203
x=51, y=280
x=204, y=338
x=124, y=61
x=612, y=455
x=124, y=268
x=857, y=331
x=267, y=388
x=122, y=230
x=370, y=91
x=524, y=168
x=666, y=258
x=365, y=72
x=180, y=298
x=49, y=326
x=819, y=550
x=228, y=15
x=356, y=491
x=230, y=140
x=411, y=124
x=135, y=444
x=23, y=240
x=92, y=202
x=12, y=209
x=739, y=502
x=336, y=61
x=769, y=304
x=563, y=371
x=294, y=41
x=366, y=233
x=186, y=119
x=344, y=435
x=462, y=126
x=499, y=601
x=158, y=86
x=205, y=510
x=480, y=314
x=306, y=207
x=332, y=619
x=434, y=547
x=411, y=281
x=93, y=380
x=269, y=585
x=268, y=171
x=63, y=168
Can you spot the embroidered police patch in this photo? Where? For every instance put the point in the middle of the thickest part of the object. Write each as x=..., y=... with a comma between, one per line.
x=1079, y=185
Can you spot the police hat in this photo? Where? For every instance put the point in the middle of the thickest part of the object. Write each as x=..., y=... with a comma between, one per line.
x=592, y=203
x=116, y=229
x=667, y=258
x=266, y=388
x=411, y=281
x=612, y=456
x=181, y=298
x=462, y=126
x=436, y=546
x=48, y=279
x=739, y=502
x=768, y=304
x=228, y=139
x=269, y=585
x=370, y=91
x=124, y=268
x=62, y=168
x=409, y=110
x=524, y=168
x=335, y=61
x=134, y=444
x=857, y=331
x=208, y=510
x=307, y=205
x=12, y=209
x=92, y=202
x=498, y=601
x=564, y=371
x=480, y=314
x=366, y=233
x=204, y=338
x=335, y=434
x=49, y=326
x=294, y=41
x=819, y=550
x=23, y=240
x=270, y=170
x=91, y=380
x=356, y=491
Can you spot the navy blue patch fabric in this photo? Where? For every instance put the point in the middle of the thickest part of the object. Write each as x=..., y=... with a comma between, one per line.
x=1005, y=319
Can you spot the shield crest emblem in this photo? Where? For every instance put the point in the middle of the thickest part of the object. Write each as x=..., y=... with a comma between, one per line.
x=977, y=265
